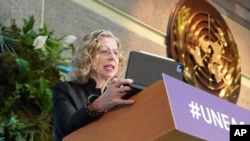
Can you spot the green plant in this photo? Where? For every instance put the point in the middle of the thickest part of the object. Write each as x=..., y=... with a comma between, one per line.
x=28, y=61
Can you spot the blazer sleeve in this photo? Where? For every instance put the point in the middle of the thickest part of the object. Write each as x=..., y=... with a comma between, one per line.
x=69, y=111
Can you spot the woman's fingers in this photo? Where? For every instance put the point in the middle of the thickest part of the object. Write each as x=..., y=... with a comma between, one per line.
x=124, y=89
x=114, y=81
x=119, y=83
x=125, y=102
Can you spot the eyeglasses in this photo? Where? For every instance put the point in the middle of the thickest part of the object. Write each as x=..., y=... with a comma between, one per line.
x=104, y=50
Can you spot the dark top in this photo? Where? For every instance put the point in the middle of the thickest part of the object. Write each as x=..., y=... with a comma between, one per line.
x=69, y=111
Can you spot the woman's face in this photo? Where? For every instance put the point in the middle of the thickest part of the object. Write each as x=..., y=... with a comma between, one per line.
x=108, y=61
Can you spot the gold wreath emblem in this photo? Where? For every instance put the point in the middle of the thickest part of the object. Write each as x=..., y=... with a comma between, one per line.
x=206, y=48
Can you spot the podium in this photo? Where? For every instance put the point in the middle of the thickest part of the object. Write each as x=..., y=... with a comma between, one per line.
x=162, y=112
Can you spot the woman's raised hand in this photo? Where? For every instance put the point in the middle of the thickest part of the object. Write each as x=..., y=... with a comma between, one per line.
x=113, y=95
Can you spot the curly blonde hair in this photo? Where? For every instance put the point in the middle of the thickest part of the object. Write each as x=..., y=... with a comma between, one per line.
x=85, y=57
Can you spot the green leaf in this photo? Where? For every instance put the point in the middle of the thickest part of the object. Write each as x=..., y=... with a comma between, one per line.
x=23, y=66
x=19, y=86
x=43, y=84
x=27, y=40
x=44, y=31
x=28, y=24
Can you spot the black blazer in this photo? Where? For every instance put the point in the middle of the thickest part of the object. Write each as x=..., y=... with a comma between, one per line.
x=69, y=111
